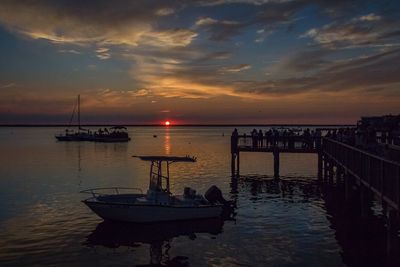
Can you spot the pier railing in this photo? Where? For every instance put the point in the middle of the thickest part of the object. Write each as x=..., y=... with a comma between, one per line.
x=282, y=143
x=380, y=175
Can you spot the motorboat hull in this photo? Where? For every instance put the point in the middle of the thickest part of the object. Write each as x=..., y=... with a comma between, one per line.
x=140, y=213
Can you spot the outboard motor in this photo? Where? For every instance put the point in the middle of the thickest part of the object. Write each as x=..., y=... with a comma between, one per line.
x=214, y=195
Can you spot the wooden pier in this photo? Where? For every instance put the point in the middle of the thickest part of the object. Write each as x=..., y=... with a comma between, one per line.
x=364, y=174
x=275, y=145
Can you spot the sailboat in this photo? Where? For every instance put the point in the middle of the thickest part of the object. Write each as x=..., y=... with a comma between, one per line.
x=110, y=135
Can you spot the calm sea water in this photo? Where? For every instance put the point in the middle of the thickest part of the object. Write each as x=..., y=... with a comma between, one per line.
x=296, y=221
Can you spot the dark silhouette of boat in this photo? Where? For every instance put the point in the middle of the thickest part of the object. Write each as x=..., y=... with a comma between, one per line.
x=107, y=135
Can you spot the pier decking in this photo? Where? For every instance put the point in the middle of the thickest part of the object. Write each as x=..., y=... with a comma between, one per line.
x=274, y=145
x=294, y=144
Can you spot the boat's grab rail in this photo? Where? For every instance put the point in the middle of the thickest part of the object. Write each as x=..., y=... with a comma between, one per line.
x=101, y=191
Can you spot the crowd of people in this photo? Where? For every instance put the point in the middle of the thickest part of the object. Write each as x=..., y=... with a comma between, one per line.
x=345, y=135
x=289, y=138
x=285, y=138
x=362, y=138
x=112, y=133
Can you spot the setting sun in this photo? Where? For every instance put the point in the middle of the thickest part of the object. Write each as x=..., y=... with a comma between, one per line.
x=167, y=123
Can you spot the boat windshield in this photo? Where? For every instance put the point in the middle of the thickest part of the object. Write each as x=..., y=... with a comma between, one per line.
x=158, y=181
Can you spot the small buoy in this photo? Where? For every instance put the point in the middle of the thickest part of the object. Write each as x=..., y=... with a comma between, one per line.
x=155, y=136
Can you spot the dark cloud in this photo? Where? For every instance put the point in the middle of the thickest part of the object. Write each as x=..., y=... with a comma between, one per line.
x=220, y=30
x=369, y=29
x=278, y=12
x=265, y=14
x=363, y=74
x=271, y=14
x=219, y=55
x=367, y=71
x=306, y=60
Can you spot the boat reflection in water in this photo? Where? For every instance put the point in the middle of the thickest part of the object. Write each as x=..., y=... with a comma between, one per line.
x=158, y=235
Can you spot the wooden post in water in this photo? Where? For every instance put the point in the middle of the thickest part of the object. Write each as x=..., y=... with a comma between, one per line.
x=276, y=163
x=325, y=168
x=330, y=172
x=320, y=158
x=365, y=204
x=319, y=165
x=339, y=175
x=234, y=153
x=233, y=163
x=392, y=238
x=347, y=186
x=237, y=163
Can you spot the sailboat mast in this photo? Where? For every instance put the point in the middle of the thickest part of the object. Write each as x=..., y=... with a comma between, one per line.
x=79, y=112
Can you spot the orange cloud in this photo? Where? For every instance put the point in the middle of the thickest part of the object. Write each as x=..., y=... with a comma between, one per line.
x=132, y=27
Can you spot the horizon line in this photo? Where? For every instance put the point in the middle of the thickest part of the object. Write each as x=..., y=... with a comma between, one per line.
x=174, y=125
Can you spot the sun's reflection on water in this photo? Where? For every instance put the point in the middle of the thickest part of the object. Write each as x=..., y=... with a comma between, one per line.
x=167, y=143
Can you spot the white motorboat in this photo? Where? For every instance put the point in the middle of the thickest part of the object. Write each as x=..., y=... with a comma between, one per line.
x=158, y=204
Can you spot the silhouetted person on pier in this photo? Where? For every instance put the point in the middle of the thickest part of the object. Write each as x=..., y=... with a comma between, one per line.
x=260, y=139
x=254, y=138
x=358, y=139
x=285, y=138
x=268, y=136
x=306, y=138
x=312, y=139
x=383, y=137
x=291, y=135
x=329, y=134
x=235, y=133
x=396, y=139
x=234, y=140
x=371, y=143
x=334, y=134
x=390, y=137
x=275, y=137
x=352, y=139
x=318, y=135
x=340, y=134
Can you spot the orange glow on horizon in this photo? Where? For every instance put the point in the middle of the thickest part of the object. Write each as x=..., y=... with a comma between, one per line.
x=167, y=123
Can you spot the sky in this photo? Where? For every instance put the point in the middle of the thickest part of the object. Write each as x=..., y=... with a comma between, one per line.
x=199, y=62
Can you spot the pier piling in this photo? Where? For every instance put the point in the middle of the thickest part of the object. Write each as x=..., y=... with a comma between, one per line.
x=392, y=241
x=320, y=161
x=276, y=163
